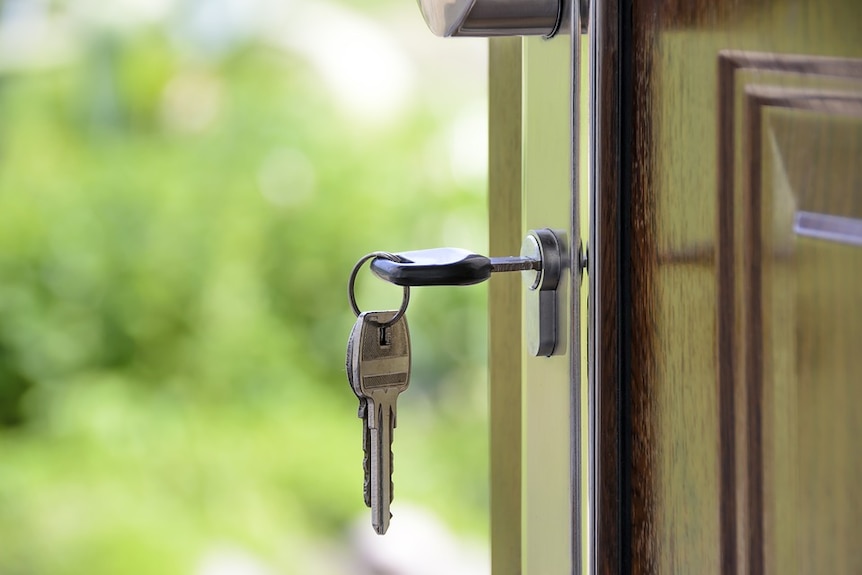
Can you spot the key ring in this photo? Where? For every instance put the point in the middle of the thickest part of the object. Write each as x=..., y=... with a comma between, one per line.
x=352, y=284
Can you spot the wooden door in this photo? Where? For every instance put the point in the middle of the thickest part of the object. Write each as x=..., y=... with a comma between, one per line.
x=727, y=303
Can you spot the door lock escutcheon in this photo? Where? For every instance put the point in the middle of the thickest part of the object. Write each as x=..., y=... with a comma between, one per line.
x=541, y=304
x=543, y=261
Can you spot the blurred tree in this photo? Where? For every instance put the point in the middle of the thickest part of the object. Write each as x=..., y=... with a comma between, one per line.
x=176, y=230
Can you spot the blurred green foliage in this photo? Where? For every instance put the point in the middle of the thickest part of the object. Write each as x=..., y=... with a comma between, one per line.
x=175, y=239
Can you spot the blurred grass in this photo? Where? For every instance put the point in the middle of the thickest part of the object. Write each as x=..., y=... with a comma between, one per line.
x=175, y=238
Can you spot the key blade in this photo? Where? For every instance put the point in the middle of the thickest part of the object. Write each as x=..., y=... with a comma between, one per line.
x=381, y=467
x=515, y=264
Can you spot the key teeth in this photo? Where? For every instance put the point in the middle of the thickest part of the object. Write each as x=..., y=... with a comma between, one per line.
x=366, y=492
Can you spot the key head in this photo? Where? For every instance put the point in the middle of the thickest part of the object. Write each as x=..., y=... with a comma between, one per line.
x=436, y=267
x=351, y=364
x=379, y=359
x=362, y=412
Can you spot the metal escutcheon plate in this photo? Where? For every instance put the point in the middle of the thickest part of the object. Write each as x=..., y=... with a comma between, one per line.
x=542, y=305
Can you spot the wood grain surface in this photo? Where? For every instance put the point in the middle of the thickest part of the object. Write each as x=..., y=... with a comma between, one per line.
x=605, y=302
x=727, y=342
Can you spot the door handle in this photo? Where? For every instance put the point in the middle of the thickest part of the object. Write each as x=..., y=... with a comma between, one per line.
x=485, y=18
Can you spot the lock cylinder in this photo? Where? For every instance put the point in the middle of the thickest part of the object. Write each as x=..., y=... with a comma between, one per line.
x=486, y=18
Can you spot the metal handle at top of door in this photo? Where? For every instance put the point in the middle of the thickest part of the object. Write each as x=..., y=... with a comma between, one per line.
x=486, y=18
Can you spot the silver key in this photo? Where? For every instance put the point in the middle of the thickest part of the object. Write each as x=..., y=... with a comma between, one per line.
x=380, y=366
x=362, y=413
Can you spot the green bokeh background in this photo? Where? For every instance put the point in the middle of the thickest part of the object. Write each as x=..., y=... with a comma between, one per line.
x=177, y=224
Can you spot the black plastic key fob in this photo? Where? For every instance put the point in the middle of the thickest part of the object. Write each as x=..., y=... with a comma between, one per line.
x=435, y=267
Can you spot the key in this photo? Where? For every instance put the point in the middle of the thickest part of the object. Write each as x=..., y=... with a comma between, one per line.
x=362, y=413
x=447, y=267
x=380, y=366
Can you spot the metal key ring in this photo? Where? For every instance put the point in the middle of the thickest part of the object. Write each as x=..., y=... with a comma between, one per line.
x=351, y=285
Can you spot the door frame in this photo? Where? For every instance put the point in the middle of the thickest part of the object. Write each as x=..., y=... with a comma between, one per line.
x=539, y=516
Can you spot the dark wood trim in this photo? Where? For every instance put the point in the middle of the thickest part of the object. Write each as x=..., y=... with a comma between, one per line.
x=634, y=428
x=640, y=258
x=754, y=331
x=726, y=320
x=605, y=286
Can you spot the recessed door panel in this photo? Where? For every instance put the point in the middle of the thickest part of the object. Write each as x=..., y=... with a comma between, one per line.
x=804, y=304
x=740, y=307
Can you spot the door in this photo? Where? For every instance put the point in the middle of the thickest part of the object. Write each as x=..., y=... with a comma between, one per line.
x=728, y=314
x=538, y=517
x=717, y=430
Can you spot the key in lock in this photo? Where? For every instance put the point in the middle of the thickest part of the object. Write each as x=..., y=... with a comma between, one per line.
x=543, y=261
x=378, y=351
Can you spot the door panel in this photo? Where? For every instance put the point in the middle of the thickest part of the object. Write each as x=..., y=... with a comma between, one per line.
x=549, y=444
x=739, y=261
x=804, y=267
x=504, y=297
x=535, y=407
x=725, y=314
